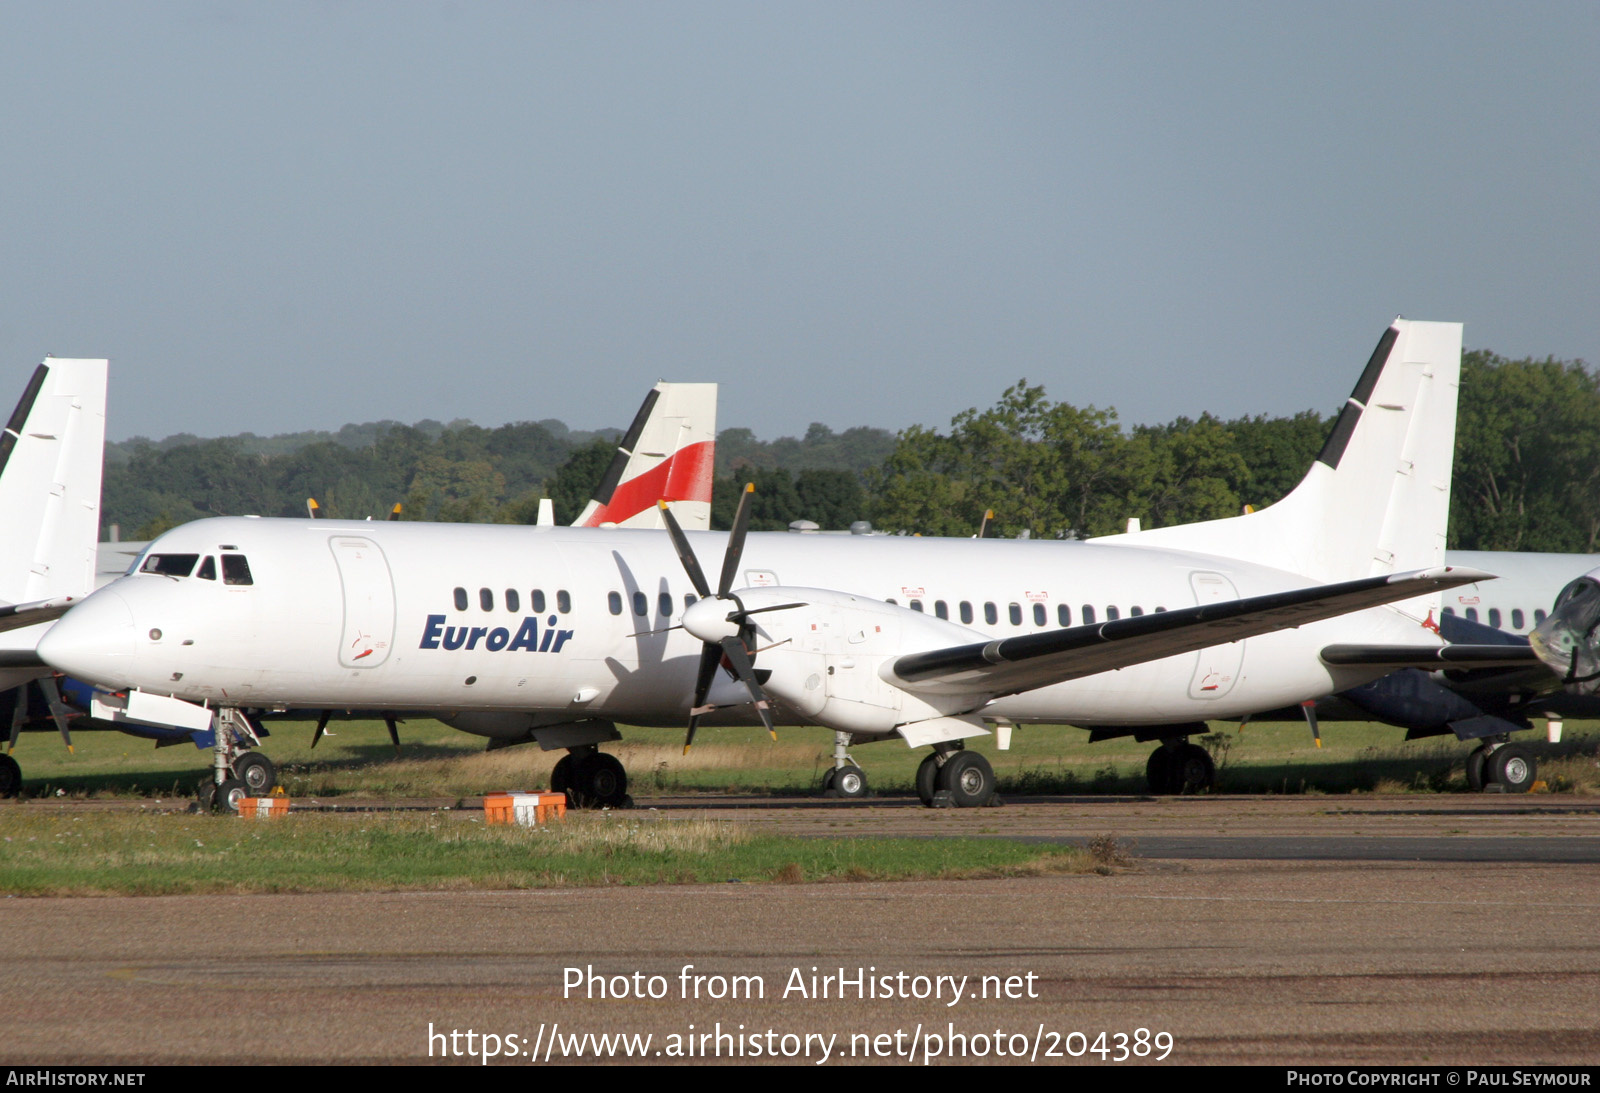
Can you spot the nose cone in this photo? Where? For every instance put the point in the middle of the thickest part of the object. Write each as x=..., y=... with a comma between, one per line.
x=94, y=641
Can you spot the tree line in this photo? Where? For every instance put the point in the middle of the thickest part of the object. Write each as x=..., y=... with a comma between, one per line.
x=1527, y=464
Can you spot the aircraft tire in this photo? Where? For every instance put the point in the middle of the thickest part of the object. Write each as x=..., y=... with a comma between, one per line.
x=1194, y=771
x=1513, y=767
x=205, y=795
x=1160, y=773
x=229, y=794
x=827, y=781
x=849, y=781
x=256, y=772
x=1478, y=768
x=969, y=778
x=561, y=774
x=598, y=781
x=10, y=777
x=928, y=778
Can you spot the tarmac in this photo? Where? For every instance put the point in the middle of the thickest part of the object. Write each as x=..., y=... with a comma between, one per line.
x=1372, y=930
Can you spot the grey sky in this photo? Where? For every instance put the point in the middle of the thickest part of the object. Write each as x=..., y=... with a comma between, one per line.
x=284, y=216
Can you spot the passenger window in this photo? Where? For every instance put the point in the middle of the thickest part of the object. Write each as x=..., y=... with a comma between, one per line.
x=1472, y=614
x=1014, y=612
x=486, y=599
x=915, y=605
x=966, y=612
x=236, y=570
x=892, y=600
x=1135, y=611
x=641, y=604
x=1112, y=614
x=1449, y=611
x=990, y=614
x=1063, y=614
x=170, y=565
x=941, y=609
x=563, y=601
x=664, y=603
x=536, y=599
x=513, y=601
x=1538, y=615
x=614, y=601
x=1088, y=615
x=1494, y=617
x=1517, y=618
x=1040, y=615
x=208, y=569
x=688, y=600
x=461, y=599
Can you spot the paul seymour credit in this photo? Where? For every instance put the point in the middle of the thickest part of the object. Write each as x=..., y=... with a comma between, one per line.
x=911, y=1016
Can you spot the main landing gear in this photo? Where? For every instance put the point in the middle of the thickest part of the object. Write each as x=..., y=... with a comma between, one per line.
x=237, y=772
x=962, y=777
x=844, y=778
x=1178, y=766
x=1498, y=767
x=591, y=779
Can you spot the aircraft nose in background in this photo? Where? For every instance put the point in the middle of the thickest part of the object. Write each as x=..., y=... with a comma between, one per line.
x=94, y=641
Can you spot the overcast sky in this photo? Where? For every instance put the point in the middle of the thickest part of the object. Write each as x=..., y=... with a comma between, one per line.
x=279, y=216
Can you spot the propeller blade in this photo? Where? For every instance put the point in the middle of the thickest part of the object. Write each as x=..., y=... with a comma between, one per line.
x=322, y=727
x=680, y=543
x=733, y=649
x=394, y=734
x=1310, y=709
x=313, y=509
x=58, y=710
x=710, y=658
x=741, y=524
x=394, y=513
x=20, y=695
x=774, y=607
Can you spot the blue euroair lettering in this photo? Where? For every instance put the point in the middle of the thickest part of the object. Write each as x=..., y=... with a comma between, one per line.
x=528, y=639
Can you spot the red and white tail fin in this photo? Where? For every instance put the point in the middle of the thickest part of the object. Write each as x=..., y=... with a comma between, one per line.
x=668, y=454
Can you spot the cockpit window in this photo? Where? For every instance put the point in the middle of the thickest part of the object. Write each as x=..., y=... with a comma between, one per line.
x=208, y=569
x=235, y=569
x=170, y=565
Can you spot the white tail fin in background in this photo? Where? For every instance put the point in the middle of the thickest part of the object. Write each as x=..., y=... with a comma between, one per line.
x=668, y=454
x=51, y=453
x=1377, y=498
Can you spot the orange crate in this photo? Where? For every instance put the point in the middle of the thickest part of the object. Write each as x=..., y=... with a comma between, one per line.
x=263, y=808
x=527, y=809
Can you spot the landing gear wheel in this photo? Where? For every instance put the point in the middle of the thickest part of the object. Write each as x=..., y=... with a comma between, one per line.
x=1478, y=768
x=229, y=794
x=561, y=774
x=1194, y=771
x=256, y=772
x=1513, y=767
x=969, y=778
x=598, y=781
x=827, y=781
x=10, y=777
x=928, y=778
x=1161, y=773
x=205, y=795
x=849, y=781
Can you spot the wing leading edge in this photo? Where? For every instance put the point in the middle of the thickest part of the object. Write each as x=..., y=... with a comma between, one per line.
x=1010, y=665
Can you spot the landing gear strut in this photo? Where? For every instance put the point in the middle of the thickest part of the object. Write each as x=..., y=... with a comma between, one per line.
x=1501, y=767
x=1178, y=766
x=844, y=778
x=236, y=771
x=964, y=776
x=591, y=779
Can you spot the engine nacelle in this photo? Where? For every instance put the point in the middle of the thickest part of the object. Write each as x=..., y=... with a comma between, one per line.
x=1568, y=641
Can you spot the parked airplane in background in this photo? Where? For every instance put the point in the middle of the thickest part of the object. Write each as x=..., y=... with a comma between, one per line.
x=50, y=460
x=553, y=634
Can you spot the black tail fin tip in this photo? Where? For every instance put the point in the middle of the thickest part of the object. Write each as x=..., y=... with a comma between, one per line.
x=1333, y=448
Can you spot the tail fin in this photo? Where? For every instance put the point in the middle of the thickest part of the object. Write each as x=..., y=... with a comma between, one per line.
x=50, y=461
x=668, y=454
x=1377, y=498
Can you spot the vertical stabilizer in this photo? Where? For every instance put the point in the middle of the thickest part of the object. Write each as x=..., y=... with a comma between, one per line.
x=1377, y=498
x=668, y=454
x=50, y=459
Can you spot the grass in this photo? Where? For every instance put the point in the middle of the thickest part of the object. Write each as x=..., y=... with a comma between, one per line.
x=438, y=762
x=154, y=853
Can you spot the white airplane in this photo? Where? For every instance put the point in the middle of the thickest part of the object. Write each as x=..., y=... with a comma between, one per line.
x=552, y=635
x=50, y=462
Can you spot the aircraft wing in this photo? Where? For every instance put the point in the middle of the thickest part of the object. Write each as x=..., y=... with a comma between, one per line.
x=16, y=616
x=1430, y=657
x=1010, y=665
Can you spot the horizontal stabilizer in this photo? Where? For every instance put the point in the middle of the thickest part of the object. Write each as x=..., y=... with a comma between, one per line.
x=18, y=615
x=1433, y=657
x=1010, y=665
